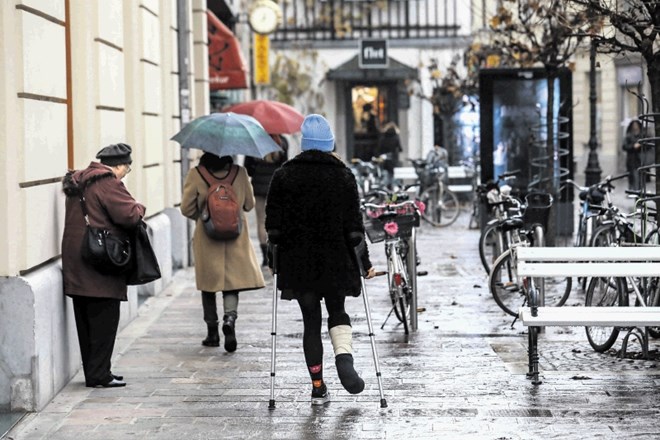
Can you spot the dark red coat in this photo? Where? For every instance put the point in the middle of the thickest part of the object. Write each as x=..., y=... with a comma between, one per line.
x=110, y=206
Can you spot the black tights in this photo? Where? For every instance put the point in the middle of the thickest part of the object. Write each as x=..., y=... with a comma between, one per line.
x=310, y=306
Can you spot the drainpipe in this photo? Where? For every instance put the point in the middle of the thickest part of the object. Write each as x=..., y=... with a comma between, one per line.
x=184, y=96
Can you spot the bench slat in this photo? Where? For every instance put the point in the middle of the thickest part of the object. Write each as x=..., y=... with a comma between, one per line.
x=560, y=269
x=591, y=316
x=570, y=254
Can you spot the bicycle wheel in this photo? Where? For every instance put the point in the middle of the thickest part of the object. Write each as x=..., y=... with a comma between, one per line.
x=653, y=237
x=504, y=284
x=507, y=288
x=403, y=310
x=650, y=290
x=442, y=207
x=400, y=300
x=451, y=208
x=604, y=292
x=604, y=235
x=475, y=215
x=491, y=245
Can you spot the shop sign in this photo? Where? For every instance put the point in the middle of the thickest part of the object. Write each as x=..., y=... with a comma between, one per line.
x=373, y=54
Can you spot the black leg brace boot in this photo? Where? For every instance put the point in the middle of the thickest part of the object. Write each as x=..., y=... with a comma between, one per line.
x=349, y=378
x=228, y=330
x=264, y=252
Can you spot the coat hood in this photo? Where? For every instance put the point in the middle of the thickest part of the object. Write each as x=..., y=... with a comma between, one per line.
x=74, y=180
x=316, y=157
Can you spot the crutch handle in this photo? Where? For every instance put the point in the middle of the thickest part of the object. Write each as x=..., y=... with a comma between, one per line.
x=274, y=236
x=272, y=256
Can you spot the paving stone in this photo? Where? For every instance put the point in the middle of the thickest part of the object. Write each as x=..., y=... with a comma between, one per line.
x=461, y=375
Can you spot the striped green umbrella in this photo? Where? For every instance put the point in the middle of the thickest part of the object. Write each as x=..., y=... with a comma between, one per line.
x=227, y=134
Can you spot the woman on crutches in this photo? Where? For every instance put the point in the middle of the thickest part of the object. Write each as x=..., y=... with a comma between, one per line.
x=313, y=206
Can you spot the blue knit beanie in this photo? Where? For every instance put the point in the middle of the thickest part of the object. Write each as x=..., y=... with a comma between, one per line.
x=316, y=134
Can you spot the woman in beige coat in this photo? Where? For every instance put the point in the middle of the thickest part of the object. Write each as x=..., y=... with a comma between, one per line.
x=227, y=266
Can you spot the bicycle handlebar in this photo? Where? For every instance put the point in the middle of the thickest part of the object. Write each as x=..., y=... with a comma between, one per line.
x=508, y=174
x=391, y=206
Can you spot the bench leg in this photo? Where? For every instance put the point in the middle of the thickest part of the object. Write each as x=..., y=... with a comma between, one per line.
x=533, y=355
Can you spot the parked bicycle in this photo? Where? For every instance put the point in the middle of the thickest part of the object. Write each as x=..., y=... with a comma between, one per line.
x=496, y=235
x=508, y=289
x=369, y=175
x=473, y=171
x=442, y=207
x=395, y=224
x=620, y=230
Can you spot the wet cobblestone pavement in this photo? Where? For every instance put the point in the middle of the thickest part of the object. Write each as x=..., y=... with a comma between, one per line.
x=461, y=375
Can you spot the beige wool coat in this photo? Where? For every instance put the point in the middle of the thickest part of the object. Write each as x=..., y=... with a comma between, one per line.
x=228, y=264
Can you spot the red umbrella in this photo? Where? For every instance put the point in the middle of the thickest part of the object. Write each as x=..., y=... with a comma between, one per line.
x=276, y=117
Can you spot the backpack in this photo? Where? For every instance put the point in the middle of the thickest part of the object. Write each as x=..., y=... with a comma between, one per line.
x=221, y=215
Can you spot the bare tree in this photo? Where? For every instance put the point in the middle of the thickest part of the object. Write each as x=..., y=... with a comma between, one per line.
x=637, y=30
x=546, y=33
x=451, y=90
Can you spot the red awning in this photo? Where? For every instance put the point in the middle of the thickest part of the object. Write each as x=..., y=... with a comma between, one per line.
x=226, y=63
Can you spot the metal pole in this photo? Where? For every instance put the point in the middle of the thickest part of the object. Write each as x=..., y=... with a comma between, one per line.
x=184, y=95
x=592, y=172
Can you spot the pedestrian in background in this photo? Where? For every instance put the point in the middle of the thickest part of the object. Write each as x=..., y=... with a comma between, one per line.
x=633, y=150
x=312, y=207
x=96, y=297
x=390, y=146
x=261, y=172
x=227, y=266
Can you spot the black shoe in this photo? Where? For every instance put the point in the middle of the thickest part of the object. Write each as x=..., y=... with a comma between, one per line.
x=320, y=395
x=114, y=383
x=213, y=337
x=228, y=329
x=349, y=378
x=116, y=376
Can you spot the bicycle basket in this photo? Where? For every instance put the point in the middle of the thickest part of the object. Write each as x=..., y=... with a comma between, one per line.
x=537, y=211
x=376, y=230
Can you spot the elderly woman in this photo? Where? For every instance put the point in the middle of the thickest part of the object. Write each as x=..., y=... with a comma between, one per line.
x=96, y=296
x=313, y=207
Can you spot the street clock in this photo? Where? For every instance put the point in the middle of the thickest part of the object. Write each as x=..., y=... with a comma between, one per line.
x=264, y=17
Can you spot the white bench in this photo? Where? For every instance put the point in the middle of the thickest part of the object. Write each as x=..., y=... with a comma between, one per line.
x=453, y=173
x=628, y=261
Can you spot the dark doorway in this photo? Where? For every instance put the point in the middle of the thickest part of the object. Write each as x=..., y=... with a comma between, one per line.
x=372, y=106
x=384, y=89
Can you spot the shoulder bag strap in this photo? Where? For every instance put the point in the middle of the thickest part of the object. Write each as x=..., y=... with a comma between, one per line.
x=204, y=174
x=232, y=174
x=207, y=176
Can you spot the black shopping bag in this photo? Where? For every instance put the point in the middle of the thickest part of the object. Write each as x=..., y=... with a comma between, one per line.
x=145, y=264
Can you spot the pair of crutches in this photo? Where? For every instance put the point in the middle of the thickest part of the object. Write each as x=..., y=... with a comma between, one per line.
x=356, y=240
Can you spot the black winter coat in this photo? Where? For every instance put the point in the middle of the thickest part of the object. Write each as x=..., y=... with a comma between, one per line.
x=261, y=173
x=313, y=202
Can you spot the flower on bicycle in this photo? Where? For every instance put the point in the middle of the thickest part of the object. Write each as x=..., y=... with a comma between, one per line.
x=374, y=213
x=421, y=206
x=391, y=228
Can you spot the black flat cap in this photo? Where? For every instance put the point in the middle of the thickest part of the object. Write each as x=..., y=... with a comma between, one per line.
x=115, y=154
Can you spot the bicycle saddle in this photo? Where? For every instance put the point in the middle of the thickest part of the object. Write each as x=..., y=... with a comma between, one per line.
x=511, y=223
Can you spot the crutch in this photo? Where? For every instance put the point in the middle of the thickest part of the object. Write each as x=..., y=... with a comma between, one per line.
x=272, y=238
x=356, y=239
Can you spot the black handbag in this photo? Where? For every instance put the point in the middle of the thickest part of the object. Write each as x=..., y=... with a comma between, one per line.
x=107, y=253
x=145, y=266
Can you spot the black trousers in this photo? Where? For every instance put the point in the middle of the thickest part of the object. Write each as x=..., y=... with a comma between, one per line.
x=310, y=306
x=97, y=320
